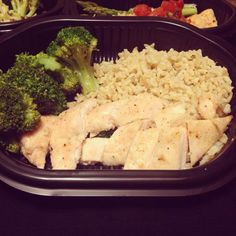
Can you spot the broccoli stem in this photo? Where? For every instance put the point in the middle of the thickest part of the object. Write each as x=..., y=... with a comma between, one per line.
x=189, y=9
x=86, y=77
x=88, y=82
x=49, y=62
x=81, y=64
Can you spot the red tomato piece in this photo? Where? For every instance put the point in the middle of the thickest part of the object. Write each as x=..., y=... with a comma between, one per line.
x=180, y=4
x=158, y=12
x=169, y=6
x=142, y=10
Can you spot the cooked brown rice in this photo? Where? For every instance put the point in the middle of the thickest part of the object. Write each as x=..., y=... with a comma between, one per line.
x=175, y=76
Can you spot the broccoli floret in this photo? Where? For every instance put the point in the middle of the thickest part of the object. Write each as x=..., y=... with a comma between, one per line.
x=66, y=77
x=18, y=114
x=17, y=110
x=24, y=8
x=73, y=48
x=4, y=12
x=48, y=62
x=19, y=9
x=35, y=82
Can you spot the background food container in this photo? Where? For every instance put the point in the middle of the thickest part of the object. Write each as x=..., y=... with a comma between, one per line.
x=224, y=11
x=114, y=36
x=46, y=8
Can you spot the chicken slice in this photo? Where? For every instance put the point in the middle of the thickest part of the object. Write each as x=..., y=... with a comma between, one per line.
x=35, y=144
x=105, y=117
x=116, y=150
x=222, y=123
x=205, y=19
x=68, y=135
x=172, y=149
x=171, y=116
x=93, y=149
x=118, y=113
x=142, y=149
x=143, y=106
x=202, y=134
x=159, y=149
x=207, y=106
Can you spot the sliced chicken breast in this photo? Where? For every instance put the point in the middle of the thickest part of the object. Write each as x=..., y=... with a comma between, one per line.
x=222, y=123
x=105, y=116
x=202, y=134
x=156, y=149
x=68, y=135
x=115, y=114
x=172, y=149
x=174, y=115
x=142, y=149
x=92, y=151
x=207, y=106
x=116, y=150
x=35, y=144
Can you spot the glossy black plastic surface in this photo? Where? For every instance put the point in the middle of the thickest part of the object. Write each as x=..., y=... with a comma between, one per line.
x=114, y=36
x=224, y=11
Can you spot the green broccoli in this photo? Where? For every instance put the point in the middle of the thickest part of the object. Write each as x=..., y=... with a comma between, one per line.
x=24, y=8
x=73, y=48
x=35, y=82
x=17, y=110
x=15, y=10
x=67, y=78
x=18, y=114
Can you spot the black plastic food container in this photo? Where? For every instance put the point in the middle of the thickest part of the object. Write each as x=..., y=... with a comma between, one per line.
x=46, y=8
x=114, y=36
x=224, y=11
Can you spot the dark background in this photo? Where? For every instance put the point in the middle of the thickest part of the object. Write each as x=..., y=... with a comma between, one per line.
x=213, y=213
x=209, y=214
